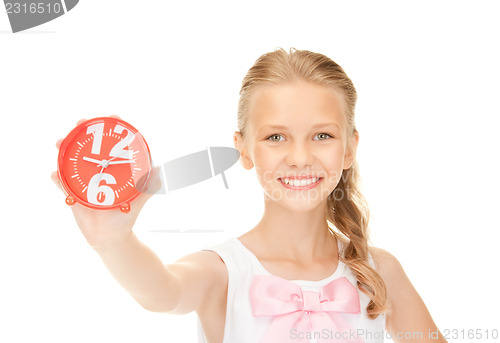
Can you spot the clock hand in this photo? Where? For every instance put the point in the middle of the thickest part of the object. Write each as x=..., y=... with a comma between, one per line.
x=85, y=158
x=106, y=163
x=121, y=161
x=120, y=155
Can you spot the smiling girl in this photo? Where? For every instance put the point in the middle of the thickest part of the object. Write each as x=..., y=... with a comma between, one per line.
x=305, y=272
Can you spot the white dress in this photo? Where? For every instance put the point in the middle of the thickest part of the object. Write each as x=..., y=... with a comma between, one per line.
x=242, y=327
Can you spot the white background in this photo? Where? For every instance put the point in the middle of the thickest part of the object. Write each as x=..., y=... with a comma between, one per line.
x=427, y=75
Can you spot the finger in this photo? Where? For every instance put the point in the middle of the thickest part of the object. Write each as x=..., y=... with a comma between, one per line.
x=58, y=143
x=81, y=121
x=115, y=116
x=153, y=186
x=154, y=182
x=55, y=179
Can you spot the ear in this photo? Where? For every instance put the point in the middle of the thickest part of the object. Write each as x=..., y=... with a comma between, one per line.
x=351, y=149
x=241, y=146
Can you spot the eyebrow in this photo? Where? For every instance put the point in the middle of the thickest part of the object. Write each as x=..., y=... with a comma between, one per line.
x=281, y=127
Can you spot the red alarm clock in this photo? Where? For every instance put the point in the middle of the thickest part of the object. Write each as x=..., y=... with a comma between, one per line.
x=104, y=163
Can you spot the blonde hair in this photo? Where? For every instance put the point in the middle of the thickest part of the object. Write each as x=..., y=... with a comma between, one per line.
x=350, y=213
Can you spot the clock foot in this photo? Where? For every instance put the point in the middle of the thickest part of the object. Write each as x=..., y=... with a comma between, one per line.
x=125, y=208
x=70, y=200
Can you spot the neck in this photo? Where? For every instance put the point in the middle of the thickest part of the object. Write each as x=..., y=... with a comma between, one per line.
x=296, y=235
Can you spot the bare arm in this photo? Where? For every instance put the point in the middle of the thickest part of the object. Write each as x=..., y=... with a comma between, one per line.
x=409, y=314
x=140, y=272
x=176, y=288
x=180, y=287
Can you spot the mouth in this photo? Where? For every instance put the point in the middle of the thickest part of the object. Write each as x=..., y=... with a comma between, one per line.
x=301, y=184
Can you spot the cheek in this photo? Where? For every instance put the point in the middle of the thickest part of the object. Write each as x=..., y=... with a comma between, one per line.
x=265, y=167
x=264, y=158
x=333, y=162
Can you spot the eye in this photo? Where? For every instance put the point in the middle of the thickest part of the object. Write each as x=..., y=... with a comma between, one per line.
x=274, y=135
x=324, y=134
x=278, y=135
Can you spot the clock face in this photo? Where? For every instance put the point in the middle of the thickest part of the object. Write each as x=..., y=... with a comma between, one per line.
x=104, y=163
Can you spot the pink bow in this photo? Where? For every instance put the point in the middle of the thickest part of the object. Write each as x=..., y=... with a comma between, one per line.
x=302, y=315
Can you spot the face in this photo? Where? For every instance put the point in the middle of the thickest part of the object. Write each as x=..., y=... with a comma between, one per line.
x=297, y=132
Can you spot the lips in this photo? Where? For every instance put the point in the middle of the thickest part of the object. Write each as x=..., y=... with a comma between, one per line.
x=289, y=186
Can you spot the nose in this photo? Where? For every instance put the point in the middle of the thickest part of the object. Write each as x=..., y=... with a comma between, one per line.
x=299, y=155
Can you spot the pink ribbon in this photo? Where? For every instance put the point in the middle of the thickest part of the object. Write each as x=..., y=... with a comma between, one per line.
x=300, y=315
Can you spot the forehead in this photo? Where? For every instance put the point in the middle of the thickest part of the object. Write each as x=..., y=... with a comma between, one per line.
x=298, y=105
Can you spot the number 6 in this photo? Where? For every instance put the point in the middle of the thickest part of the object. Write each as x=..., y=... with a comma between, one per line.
x=95, y=189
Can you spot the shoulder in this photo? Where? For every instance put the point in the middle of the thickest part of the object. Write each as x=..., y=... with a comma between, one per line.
x=211, y=260
x=385, y=262
x=202, y=278
x=390, y=269
x=207, y=263
x=408, y=312
x=392, y=273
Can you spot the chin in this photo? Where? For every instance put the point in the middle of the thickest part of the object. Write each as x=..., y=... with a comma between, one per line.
x=298, y=204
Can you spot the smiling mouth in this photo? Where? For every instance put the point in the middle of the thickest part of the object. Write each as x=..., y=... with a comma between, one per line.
x=300, y=184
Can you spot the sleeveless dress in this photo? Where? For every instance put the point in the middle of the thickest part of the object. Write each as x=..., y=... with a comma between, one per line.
x=242, y=327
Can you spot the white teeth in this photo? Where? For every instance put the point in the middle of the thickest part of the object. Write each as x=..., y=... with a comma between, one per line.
x=299, y=183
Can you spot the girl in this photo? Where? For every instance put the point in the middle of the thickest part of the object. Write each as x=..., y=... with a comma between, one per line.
x=305, y=272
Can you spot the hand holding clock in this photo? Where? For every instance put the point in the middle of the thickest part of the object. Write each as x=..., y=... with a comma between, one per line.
x=111, y=142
